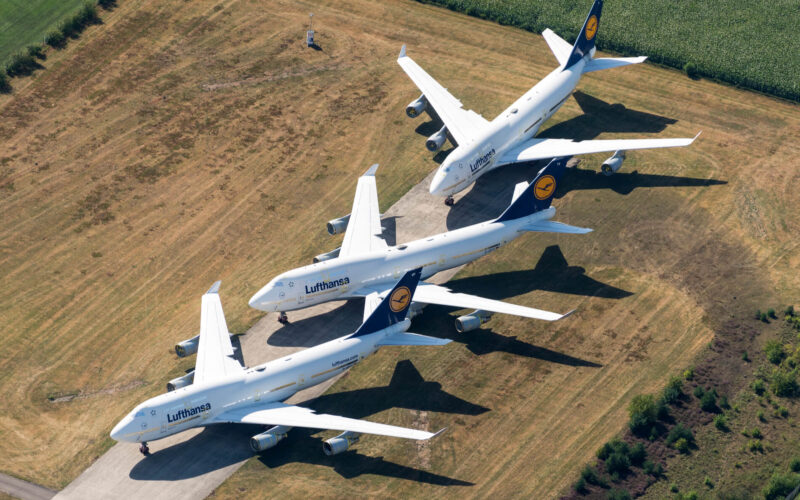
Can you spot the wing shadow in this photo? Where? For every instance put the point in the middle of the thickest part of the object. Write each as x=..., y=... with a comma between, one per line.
x=552, y=273
x=625, y=182
x=435, y=321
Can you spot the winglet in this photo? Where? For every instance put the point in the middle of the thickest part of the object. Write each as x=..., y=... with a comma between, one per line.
x=371, y=170
x=566, y=314
x=698, y=135
x=402, y=52
x=438, y=432
x=214, y=288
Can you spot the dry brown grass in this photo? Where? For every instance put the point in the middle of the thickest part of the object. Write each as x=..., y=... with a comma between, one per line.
x=189, y=141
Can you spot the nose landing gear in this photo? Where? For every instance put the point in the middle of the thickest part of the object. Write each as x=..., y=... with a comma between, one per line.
x=144, y=449
x=449, y=201
x=283, y=318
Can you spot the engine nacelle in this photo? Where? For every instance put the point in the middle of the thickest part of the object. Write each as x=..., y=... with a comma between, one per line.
x=187, y=347
x=268, y=439
x=327, y=256
x=614, y=163
x=436, y=141
x=472, y=321
x=417, y=106
x=179, y=382
x=340, y=443
x=339, y=225
x=415, y=310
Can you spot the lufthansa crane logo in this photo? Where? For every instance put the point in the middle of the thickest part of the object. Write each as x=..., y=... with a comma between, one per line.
x=544, y=187
x=591, y=27
x=399, y=299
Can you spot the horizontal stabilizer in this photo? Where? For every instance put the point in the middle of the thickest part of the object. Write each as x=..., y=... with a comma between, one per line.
x=611, y=62
x=560, y=47
x=405, y=338
x=549, y=226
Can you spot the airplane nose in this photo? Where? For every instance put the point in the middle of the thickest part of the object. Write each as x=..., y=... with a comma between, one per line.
x=119, y=430
x=260, y=299
x=437, y=183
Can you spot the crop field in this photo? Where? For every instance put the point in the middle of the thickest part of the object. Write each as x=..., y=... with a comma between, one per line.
x=26, y=22
x=749, y=44
x=184, y=142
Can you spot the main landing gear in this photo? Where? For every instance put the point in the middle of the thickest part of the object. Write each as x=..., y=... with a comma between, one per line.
x=283, y=318
x=143, y=449
x=449, y=201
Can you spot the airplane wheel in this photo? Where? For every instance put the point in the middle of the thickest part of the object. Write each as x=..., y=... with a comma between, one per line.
x=449, y=201
x=283, y=319
x=144, y=450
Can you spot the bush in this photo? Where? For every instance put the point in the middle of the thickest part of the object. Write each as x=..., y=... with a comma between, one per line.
x=789, y=311
x=688, y=374
x=794, y=465
x=698, y=391
x=756, y=433
x=745, y=357
x=618, y=463
x=107, y=4
x=774, y=351
x=771, y=313
x=677, y=433
x=36, y=51
x=707, y=481
x=618, y=495
x=754, y=445
x=721, y=423
x=589, y=475
x=760, y=416
x=780, y=485
x=682, y=445
x=580, y=486
x=691, y=71
x=782, y=412
x=709, y=402
x=643, y=412
x=5, y=87
x=764, y=318
x=613, y=446
x=56, y=39
x=637, y=454
x=784, y=383
x=21, y=65
x=673, y=391
x=758, y=386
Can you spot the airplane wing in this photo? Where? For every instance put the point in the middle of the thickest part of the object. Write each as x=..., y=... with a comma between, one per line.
x=462, y=124
x=439, y=295
x=215, y=352
x=364, y=227
x=539, y=149
x=297, y=416
x=560, y=47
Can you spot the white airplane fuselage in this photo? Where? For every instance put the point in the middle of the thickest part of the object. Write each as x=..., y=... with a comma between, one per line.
x=519, y=122
x=196, y=405
x=339, y=278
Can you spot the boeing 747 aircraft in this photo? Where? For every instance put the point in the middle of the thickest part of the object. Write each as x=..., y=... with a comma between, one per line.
x=220, y=390
x=483, y=145
x=365, y=264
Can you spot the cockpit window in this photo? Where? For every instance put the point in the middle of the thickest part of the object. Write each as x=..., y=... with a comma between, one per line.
x=139, y=413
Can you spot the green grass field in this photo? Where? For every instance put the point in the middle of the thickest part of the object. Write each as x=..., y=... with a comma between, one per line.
x=749, y=44
x=26, y=22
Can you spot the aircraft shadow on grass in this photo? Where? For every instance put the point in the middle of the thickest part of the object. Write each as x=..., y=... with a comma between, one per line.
x=223, y=445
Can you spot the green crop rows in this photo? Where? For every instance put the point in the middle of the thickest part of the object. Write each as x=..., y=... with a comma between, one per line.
x=26, y=22
x=753, y=44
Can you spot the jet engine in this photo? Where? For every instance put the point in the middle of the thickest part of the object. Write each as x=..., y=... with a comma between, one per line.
x=339, y=225
x=187, y=347
x=417, y=106
x=340, y=443
x=415, y=310
x=327, y=256
x=268, y=439
x=472, y=321
x=179, y=382
x=436, y=141
x=614, y=163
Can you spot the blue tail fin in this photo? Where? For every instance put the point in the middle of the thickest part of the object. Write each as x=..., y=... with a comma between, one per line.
x=585, y=42
x=394, y=307
x=539, y=193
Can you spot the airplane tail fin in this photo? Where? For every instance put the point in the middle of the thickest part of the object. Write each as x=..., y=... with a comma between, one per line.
x=393, y=307
x=585, y=42
x=539, y=193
